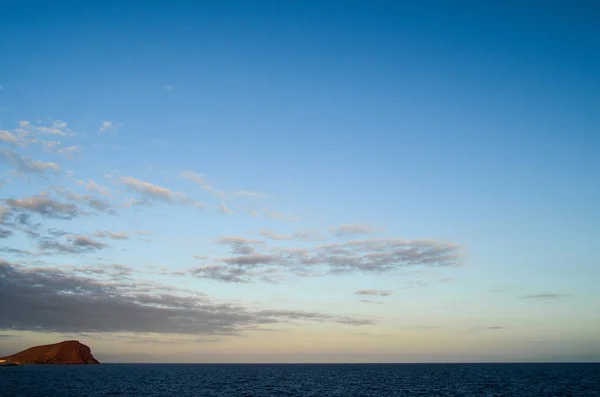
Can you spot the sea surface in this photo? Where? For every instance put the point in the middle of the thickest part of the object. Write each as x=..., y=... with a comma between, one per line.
x=181, y=380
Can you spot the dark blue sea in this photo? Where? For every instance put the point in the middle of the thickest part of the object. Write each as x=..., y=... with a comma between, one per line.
x=181, y=380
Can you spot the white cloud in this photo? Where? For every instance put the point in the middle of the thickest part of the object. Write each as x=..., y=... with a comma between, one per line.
x=119, y=236
x=250, y=193
x=154, y=192
x=168, y=87
x=199, y=179
x=109, y=126
x=280, y=216
x=224, y=209
x=8, y=137
x=301, y=235
x=92, y=186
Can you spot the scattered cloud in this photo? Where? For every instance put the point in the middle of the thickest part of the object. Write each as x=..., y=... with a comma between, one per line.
x=144, y=232
x=545, y=296
x=367, y=256
x=109, y=126
x=153, y=192
x=60, y=300
x=250, y=193
x=119, y=236
x=199, y=180
x=8, y=137
x=374, y=292
x=239, y=245
x=251, y=260
x=301, y=236
x=224, y=209
x=90, y=201
x=26, y=164
x=168, y=87
x=73, y=245
x=351, y=230
x=93, y=187
x=4, y=233
x=45, y=207
x=280, y=216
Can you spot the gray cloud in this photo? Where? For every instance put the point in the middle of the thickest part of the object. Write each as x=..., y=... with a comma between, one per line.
x=373, y=292
x=545, y=296
x=90, y=201
x=349, y=230
x=4, y=233
x=153, y=192
x=235, y=274
x=301, y=236
x=73, y=245
x=45, y=207
x=371, y=256
x=251, y=260
x=54, y=300
x=239, y=245
x=26, y=164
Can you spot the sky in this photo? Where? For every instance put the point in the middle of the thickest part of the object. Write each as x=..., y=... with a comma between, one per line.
x=302, y=181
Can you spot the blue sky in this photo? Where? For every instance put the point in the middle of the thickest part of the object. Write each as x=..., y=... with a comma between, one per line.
x=357, y=181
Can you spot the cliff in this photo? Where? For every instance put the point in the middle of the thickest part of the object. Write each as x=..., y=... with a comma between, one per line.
x=67, y=352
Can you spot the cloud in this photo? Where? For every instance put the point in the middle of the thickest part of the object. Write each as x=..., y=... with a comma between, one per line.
x=280, y=216
x=153, y=192
x=109, y=126
x=86, y=242
x=93, y=187
x=26, y=164
x=224, y=209
x=27, y=130
x=56, y=300
x=74, y=245
x=545, y=296
x=373, y=292
x=250, y=193
x=45, y=207
x=239, y=245
x=200, y=257
x=347, y=230
x=144, y=232
x=69, y=151
x=199, y=180
x=302, y=236
x=251, y=260
x=4, y=233
x=90, y=201
x=119, y=236
x=168, y=87
x=222, y=273
x=365, y=256
x=8, y=137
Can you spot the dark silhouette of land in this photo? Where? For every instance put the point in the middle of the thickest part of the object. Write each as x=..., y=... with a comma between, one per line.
x=67, y=352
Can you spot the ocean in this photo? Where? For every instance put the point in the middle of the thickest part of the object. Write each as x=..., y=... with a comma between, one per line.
x=257, y=380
